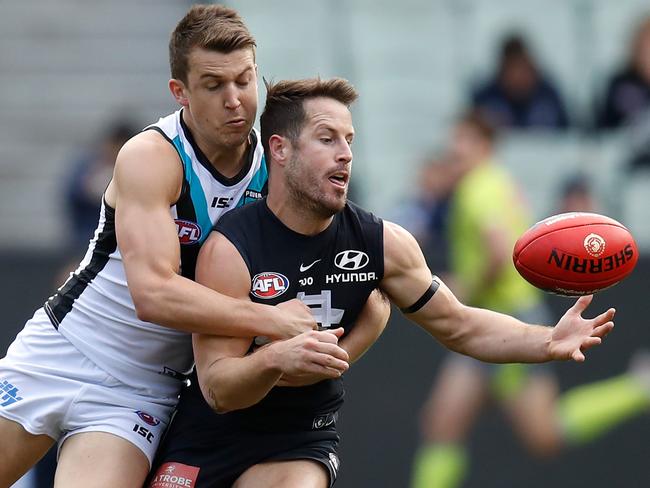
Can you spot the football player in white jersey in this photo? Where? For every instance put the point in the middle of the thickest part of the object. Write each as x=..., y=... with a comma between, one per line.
x=57, y=382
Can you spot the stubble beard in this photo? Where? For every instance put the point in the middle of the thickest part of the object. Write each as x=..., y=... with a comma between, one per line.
x=307, y=197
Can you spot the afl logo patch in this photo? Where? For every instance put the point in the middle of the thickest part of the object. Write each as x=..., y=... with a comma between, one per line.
x=147, y=419
x=351, y=260
x=269, y=285
x=594, y=245
x=188, y=232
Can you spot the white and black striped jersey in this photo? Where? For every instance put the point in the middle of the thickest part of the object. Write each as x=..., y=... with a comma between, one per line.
x=94, y=309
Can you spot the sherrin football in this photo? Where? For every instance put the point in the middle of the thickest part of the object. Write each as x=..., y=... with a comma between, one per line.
x=575, y=253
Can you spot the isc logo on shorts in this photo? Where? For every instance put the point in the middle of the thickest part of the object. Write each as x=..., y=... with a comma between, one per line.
x=145, y=431
x=269, y=285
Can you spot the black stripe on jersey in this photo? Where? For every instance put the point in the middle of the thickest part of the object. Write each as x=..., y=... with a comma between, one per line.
x=205, y=162
x=189, y=252
x=161, y=132
x=58, y=306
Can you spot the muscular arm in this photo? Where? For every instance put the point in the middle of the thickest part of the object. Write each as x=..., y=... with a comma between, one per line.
x=230, y=379
x=370, y=324
x=146, y=182
x=483, y=334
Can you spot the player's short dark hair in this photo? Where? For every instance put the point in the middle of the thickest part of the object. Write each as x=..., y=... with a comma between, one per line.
x=212, y=27
x=284, y=111
x=478, y=121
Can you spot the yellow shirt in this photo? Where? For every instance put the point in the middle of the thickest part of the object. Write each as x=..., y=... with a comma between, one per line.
x=487, y=194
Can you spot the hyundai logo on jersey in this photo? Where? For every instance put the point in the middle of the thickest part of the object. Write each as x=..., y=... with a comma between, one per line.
x=351, y=260
x=269, y=285
x=188, y=232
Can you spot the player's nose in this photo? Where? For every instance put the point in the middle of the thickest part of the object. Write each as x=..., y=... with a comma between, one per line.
x=345, y=153
x=231, y=100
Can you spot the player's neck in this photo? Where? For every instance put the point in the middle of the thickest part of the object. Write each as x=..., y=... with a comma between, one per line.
x=296, y=216
x=227, y=161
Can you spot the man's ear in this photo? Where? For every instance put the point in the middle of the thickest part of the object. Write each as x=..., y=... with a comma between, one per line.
x=280, y=148
x=177, y=87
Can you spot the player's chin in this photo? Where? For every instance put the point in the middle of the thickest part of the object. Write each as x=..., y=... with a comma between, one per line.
x=337, y=202
x=330, y=206
x=235, y=136
x=234, y=139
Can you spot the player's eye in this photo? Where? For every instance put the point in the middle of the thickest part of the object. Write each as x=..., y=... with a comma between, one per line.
x=214, y=87
x=326, y=140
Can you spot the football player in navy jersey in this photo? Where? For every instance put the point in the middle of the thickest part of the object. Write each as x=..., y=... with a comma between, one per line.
x=279, y=402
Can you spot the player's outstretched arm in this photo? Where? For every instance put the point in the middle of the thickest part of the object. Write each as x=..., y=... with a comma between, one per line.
x=483, y=334
x=229, y=378
x=147, y=181
x=369, y=325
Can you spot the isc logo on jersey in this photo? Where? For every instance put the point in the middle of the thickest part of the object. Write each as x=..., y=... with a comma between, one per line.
x=188, y=232
x=269, y=285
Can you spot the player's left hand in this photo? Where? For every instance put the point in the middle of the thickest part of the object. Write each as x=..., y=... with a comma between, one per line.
x=307, y=378
x=573, y=334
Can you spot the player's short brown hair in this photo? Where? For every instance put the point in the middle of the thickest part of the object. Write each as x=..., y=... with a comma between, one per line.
x=212, y=27
x=478, y=121
x=284, y=111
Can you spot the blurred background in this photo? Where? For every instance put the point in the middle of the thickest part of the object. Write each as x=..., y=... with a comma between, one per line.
x=565, y=82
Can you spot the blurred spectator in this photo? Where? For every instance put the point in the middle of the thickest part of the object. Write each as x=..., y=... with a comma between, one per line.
x=89, y=177
x=639, y=141
x=425, y=214
x=628, y=92
x=576, y=195
x=519, y=95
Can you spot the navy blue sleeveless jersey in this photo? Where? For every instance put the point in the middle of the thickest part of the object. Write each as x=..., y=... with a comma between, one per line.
x=333, y=272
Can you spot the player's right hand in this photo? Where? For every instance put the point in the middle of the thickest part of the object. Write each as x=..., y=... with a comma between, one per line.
x=295, y=318
x=312, y=353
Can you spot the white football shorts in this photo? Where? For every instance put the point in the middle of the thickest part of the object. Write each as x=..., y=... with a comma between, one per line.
x=49, y=387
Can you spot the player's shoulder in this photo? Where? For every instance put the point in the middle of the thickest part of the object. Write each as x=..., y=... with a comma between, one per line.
x=395, y=233
x=360, y=214
x=147, y=143
x=241, y=217
x=147, y=164
x=148, y=151
x=400, y=245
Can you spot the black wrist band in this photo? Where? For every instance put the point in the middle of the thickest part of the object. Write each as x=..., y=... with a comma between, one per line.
x=426, y=296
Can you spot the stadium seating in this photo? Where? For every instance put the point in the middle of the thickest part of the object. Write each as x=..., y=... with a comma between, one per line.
x=68, y=67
